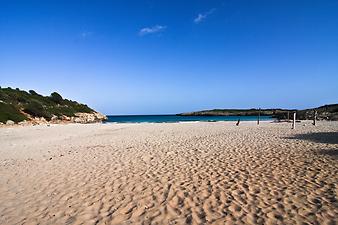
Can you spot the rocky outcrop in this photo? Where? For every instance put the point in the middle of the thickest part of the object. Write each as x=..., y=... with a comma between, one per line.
x=94, y=117
x=89, y=117
x=83, y=118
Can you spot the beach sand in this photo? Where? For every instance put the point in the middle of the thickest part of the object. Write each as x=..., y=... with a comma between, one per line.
x=182, y=173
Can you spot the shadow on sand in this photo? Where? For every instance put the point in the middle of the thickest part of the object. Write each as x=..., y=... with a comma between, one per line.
x=329, y=152
x=321, y=137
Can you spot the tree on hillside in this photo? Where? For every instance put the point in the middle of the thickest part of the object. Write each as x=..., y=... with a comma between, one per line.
x=32, y=92
x=56, y=97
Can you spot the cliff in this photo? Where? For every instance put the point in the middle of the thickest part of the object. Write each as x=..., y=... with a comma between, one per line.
x=19, y=106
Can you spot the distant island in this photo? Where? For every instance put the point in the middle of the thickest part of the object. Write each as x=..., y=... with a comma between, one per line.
x=19, y=106
x=326, y=112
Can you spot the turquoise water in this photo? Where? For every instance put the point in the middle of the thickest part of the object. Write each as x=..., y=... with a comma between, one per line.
x=175, y=119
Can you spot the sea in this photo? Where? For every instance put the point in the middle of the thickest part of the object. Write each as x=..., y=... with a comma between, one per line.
x=177, y=119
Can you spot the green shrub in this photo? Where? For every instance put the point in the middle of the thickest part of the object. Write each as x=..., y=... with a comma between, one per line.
x=36, y=110
x=61, y=110
x=9, y=112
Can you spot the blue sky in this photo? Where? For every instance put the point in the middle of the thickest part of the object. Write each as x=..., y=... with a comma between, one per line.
x=155, y=57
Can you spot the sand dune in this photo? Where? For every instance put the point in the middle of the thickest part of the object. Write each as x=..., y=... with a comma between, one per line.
x=189, y=173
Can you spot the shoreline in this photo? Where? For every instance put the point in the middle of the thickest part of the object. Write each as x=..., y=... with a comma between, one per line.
x=130, y=123
x=299, y=122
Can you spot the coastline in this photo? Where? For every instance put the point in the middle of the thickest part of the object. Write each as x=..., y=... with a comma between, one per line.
x=209, y=119
x=178, y=118
x=131, y=123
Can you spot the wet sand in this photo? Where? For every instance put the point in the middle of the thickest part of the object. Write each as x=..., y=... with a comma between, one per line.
x=182, y=173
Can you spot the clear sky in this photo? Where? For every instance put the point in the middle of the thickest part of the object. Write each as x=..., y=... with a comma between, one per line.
x=155, y=57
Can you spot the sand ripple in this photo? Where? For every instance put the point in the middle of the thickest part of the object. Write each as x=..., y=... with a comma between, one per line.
x=200, y=173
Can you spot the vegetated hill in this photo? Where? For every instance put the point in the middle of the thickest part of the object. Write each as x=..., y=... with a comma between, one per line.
x=326, y=112
x=235, y=112
x=18, y=105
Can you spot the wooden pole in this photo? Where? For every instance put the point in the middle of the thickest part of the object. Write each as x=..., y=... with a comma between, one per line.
x=314, y=117
x=294, y=121
x=259, y=115
x=288, y=115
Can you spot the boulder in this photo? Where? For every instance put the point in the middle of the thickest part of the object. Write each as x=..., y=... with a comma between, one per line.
x=67, y=118
x=23, y=123
x=10, y=122
x=38, y=120
x=100, y=116
x=54, y=118
x=77, y=120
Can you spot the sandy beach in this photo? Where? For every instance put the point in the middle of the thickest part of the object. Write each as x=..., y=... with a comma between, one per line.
x=180, y=173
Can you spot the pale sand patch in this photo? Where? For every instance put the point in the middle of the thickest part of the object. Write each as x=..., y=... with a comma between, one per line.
x=183, y=173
